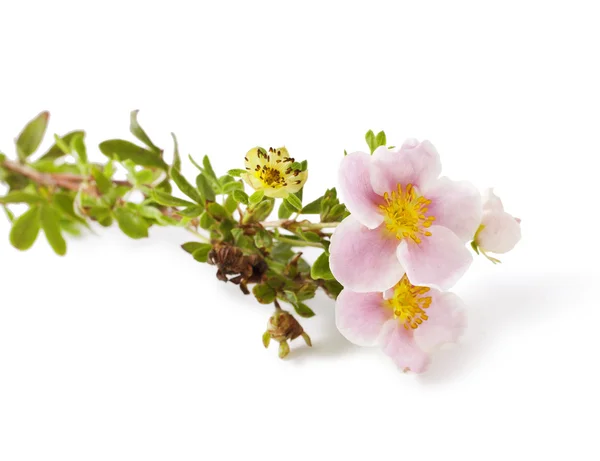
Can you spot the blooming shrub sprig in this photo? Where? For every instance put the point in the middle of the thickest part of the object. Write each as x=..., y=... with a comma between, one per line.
x=386, y=255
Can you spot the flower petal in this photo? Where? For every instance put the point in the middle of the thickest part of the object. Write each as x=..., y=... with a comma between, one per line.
x=500, y=232
x=439, y=260
x=356, y=192
x=446, y=321
x=360, y=316
x=414, y=163
x=399, y=343
x=491, y=202
x=362, y=259
x=455, y=205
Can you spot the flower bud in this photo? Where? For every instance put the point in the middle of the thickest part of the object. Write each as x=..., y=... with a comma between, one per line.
x=283, y=327
x=499, y=231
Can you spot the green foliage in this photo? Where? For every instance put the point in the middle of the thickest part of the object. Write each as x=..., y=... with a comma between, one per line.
x=25, y=229
x=320, y=269
x=65, y=193
x=139, y=132
x=121, y=150
x=50, y=221
x=30, y=138
x=374, y=141
x=131, y=223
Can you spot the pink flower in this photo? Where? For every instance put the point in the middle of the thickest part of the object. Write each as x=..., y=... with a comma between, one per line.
x=404, y=220
x=499, y=231
x=408, y=322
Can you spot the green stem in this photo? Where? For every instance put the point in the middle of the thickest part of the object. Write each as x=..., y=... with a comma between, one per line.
x=299, y=243
x=303, y=225
x=198, y=235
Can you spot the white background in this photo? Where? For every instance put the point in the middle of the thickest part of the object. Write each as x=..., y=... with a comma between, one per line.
x=129, y=350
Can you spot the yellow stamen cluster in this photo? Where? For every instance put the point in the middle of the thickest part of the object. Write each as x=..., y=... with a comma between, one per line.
x=405, y=213
x=409, y=304
x=272, y=172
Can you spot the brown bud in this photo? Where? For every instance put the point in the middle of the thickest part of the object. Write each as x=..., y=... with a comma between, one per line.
x=283, y=327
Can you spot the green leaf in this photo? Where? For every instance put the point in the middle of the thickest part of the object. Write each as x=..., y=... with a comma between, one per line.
x=55, y=151
x=139, y=132
x=206, y=221
x=380, y=139
x=9, y=214
x=208, y=169
x=185, y=186
x=51, y=225
x=32, y=135
x=205, y=188
x=303, y=310
x=162, y=198
x=190, y=247
x=192, y=212
x=320, y=269
x=313, y=207
x=370, y=138
x=144, y=177
x=19, y=196
x=230, y=204
x=125, y=150
x=236, y=172
x=131, y=223
x=260, y=211
x=151, y=212
x=256, y=197
x=284, y=211
x=176, y=156
x=264, y=293
x=333, y=288
x=292, y=201
x=102, y=182
x=217, y=211
x=263, y=239
x=77, y=145
x=25, y=229
x=62, y=145
x=375, y=141
x=240, y=196
x=201, y=254
x=232, y=186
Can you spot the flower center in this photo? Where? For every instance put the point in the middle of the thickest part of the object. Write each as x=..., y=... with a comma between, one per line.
x=405, y=213
x=271, y=177
x=409, y=304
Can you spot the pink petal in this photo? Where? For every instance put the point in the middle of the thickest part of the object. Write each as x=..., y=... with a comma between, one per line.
x=399, y=343
x=446, y=322
x=360, y=316
x=455, y=205
x=500, y=232
x=413, y=163
x=356, y=192
x=491, y=202
x=439, y=260
x=364, y=260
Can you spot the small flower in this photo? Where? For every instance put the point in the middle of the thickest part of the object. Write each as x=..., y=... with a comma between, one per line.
x=273, y=172
x=408, y=322
x=499, y=231
x=404, y=220
x=283, y=327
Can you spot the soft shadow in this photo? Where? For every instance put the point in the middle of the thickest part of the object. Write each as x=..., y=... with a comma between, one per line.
x=496, y=308
x=327, y=342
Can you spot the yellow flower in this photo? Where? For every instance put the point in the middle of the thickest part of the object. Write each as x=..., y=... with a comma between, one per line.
x=272, y=172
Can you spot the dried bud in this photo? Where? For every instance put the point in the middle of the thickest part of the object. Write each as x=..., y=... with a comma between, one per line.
x=283, y=327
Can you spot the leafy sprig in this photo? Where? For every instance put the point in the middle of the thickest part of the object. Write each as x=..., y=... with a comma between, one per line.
x=63, y=192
